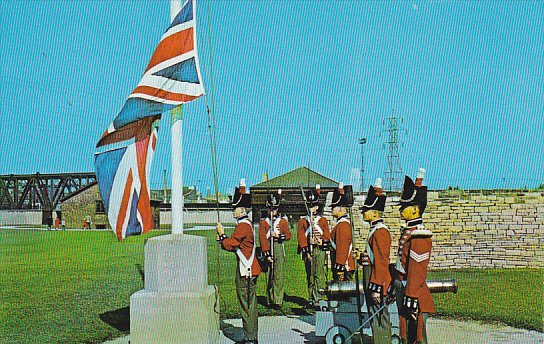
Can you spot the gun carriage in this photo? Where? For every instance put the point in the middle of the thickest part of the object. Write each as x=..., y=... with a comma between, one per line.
x=338, y=317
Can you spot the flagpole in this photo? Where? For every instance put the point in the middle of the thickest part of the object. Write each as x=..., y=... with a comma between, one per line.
x=176, y=279
x=177, y=151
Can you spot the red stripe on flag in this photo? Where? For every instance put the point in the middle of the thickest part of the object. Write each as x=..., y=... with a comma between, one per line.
x=144, y=207
x=174, y=45
x=105, y=134
x=154, y=142
x=167, y=95
x=124, y=207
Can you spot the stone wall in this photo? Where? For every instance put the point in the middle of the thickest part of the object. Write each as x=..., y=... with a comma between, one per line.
x=475, y=229
x=75, y=209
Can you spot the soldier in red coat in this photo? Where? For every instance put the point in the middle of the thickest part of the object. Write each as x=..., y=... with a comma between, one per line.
x=341, y=241
x=242, y=242
x=271, y=239
x=413, y=295
x=314, y=242
x=377, y=251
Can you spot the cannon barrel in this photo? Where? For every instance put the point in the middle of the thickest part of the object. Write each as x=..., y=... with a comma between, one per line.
x=443, y=286
x=349, y=288
x=345, y=288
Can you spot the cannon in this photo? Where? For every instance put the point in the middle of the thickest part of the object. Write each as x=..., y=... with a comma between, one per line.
x=349, y=288
x=338, y=317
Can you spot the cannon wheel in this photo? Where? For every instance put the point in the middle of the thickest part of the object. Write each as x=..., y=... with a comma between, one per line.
x=338, y=335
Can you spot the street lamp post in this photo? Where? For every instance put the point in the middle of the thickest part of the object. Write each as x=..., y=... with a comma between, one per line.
x=362, y=142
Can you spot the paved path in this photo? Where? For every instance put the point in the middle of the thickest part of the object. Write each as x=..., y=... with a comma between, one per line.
x=300, y=329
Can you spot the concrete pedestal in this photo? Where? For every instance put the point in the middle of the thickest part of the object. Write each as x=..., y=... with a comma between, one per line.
x=177, y=305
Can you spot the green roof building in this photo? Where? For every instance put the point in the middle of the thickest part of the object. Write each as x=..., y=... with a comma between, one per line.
x=296, y=178
x=290, y=184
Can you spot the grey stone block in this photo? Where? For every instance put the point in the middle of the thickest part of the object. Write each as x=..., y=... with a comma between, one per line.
x=176, y=263
x=170, y=318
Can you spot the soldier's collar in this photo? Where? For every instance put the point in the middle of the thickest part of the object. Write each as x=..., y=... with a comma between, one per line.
x=375, y=222
x=242, y=218
x=414, y=222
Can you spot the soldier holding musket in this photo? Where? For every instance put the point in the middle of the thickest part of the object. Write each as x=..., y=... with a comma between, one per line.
x=376, y=254
x=414, y=298
x=271, y=239
x=341, y=239
x=314, y=240
x=242, y=241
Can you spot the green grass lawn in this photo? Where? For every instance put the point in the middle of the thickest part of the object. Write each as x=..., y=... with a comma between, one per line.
x=511, y=296
x=74, y=287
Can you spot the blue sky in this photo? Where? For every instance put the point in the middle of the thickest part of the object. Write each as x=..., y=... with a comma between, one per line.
x=296, y=83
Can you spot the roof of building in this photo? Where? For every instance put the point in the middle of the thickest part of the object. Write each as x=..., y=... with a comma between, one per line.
x=302, y=176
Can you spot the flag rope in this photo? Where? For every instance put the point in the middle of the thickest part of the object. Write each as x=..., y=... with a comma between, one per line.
x=212, y=131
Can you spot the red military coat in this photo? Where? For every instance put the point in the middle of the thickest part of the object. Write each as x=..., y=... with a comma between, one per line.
x=379, y=246
x=342, y=242
x=417, y=253
x=415, y=246
x=321, y=231
x=242, y=238
x=282, y=229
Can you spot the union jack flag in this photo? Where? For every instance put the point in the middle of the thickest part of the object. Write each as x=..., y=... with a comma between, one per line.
x=125, y=151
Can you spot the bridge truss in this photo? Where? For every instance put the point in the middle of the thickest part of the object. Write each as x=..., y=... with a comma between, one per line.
x=41, y=191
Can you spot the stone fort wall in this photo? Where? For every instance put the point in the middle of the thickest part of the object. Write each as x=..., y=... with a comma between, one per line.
x=474, y=229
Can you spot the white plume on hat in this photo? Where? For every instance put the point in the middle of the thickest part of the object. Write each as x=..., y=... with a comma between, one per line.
x=378, y=183
x=419, y=177
x=317, y=186
x=242, y=182
x=279, y=191
x=341, y=185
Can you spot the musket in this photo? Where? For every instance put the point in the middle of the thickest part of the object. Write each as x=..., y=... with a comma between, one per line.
x=271, y=238
x=327, y=265
x=357, y=286
x=311, y=221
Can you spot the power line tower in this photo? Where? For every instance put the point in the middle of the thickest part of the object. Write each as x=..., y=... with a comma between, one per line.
x=391, y=134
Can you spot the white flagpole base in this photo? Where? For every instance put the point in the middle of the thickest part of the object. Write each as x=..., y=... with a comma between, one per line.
x=177, y=304
x=165, y=317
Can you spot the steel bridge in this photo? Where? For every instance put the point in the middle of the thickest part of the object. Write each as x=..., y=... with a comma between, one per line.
x=41, y=191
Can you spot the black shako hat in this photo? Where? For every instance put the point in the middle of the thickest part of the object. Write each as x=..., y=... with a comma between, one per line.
x=273, y=200
x=241, y=198
x=375, y=198
x=339, y=197
x=413, y=195
x=312, y=198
